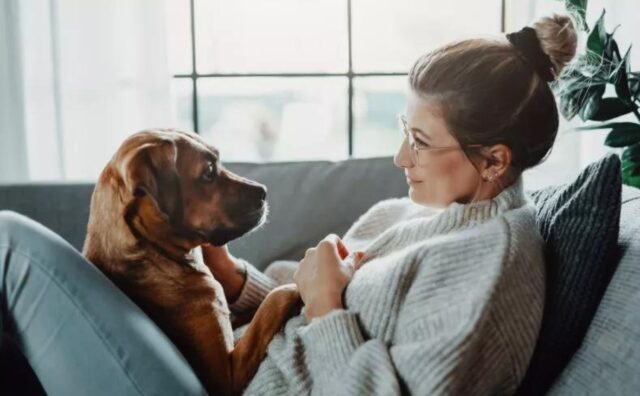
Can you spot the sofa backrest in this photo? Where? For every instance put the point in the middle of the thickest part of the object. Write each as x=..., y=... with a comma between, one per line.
x=307, y=200
x=62, y=207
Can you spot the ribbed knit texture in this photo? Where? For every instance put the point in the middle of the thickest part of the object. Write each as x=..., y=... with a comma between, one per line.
x=446, y=302
x=579, y=223
x=256, y=288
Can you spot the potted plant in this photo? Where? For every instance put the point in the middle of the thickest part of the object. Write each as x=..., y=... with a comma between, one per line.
x=581, y=89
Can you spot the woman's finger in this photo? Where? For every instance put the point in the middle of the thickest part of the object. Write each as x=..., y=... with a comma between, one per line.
x=343, y=252
x=357, y=260
x=299, y=270
x=309, y=252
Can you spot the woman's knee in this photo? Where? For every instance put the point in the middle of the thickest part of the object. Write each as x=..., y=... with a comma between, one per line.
x=21, y=232
x=12, y=223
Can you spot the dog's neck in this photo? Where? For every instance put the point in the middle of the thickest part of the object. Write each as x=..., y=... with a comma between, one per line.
x=153, y=233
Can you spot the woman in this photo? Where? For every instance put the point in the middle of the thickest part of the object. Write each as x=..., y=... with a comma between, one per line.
x=443, y=293
x=441, y=301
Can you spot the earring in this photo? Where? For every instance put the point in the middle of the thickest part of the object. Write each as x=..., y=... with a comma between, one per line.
x=489, y=178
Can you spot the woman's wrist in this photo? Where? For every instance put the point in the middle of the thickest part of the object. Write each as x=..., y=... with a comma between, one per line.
x=232, y=276
x=235, y=281
x=226, y=269
x=321, y=308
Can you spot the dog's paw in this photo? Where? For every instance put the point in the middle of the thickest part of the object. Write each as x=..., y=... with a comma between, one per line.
x=287, y=299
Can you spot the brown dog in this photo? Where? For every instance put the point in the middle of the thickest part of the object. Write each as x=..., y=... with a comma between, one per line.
x=163, y=194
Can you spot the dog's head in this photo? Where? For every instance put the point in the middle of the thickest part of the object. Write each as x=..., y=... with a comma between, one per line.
x=176, y=193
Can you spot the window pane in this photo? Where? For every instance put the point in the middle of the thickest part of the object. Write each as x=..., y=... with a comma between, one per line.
x=271, y=36
x=273, y=119
x=390, y=35
x=178, y=34
x=377, y=103
x=182, y=95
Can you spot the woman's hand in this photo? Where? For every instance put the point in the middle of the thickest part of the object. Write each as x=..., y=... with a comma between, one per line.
x=322, y=276
x=227, y=270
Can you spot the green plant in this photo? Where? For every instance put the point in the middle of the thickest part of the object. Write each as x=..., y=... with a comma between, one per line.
x=582, y=86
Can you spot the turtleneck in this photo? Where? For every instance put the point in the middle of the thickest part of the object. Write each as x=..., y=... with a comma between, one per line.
x=510, y=198
x=394, y=224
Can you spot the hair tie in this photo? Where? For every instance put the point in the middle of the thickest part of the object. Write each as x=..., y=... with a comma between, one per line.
x=527, y=43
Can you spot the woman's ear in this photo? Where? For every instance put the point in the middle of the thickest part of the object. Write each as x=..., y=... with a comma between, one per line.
x=498, y=160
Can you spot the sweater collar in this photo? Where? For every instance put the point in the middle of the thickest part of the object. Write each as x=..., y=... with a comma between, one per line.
x=414, y=227
x=510, y=198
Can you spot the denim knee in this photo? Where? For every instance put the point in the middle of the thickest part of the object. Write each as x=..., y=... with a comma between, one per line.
x=12, y=223
x=19, y=231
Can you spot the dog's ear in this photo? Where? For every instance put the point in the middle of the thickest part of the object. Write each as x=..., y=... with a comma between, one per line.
x=149, y=173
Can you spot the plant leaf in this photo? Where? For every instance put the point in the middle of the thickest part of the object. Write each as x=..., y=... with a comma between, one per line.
x=591, y=104
x=611, y=52
x=609, y=108
x=606, y=125
x=623, y=135
x=634, y=86
x=630, y=179
x=631, y=153
x=596, y=40
x=620, y=78
x=631, y=165
x=580, y=84
x=578, y=8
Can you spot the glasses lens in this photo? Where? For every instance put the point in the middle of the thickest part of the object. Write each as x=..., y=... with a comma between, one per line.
x=407, y=137
x=415, y=155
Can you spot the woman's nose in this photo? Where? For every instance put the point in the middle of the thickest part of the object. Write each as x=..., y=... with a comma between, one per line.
x=402, y=159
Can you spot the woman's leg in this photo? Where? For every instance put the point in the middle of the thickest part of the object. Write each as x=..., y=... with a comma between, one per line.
x=79, y=332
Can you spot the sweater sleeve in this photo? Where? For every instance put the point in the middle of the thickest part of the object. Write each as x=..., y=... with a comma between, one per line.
x=255, y=289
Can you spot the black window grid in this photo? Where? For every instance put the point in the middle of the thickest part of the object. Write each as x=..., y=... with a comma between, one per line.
x=349, y=74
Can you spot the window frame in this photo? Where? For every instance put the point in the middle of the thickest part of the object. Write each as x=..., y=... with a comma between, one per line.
x=350, y=74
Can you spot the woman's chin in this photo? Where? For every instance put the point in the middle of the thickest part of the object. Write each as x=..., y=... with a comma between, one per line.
x=420, y=197
x=415, y=194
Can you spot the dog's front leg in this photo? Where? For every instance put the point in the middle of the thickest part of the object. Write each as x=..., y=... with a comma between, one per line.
x=279, y=305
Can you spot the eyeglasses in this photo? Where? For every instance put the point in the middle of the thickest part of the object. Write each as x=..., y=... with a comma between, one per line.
x=418, y=149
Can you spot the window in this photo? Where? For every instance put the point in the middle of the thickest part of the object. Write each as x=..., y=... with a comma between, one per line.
x=303, y=79
x=270, y=80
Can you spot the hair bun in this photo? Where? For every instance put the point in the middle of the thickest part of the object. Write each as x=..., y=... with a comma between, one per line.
x=558, y=39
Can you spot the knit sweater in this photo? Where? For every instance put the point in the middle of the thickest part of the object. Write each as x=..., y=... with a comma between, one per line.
x=446, y=302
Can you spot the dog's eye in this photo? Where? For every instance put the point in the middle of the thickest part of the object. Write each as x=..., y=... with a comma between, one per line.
x=209, y=173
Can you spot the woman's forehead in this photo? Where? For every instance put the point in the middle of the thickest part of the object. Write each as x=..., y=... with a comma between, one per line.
x=426, y=115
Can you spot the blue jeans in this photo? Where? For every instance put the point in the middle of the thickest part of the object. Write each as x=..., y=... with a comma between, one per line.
x=78, y=331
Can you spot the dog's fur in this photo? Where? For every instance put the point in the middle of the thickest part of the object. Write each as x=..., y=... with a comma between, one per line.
x=162, y=195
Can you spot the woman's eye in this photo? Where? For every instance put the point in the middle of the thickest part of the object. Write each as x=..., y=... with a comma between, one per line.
x=421, y=143
x=209, y=173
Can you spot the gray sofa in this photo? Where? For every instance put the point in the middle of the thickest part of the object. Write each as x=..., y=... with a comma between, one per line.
x=311, y=199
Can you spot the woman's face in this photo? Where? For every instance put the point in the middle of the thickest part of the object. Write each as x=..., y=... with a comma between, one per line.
x=442, y=176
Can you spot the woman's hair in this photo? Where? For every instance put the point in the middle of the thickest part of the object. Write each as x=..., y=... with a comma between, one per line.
x=490, y=93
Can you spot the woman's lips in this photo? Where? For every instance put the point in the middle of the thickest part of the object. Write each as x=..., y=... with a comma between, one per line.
x=411, y=181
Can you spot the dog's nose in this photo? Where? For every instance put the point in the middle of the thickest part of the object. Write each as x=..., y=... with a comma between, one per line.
x=258, y=192
x=263, y=193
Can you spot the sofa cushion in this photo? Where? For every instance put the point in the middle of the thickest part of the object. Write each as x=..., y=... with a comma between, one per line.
x=579, y=223
x=608, y=359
